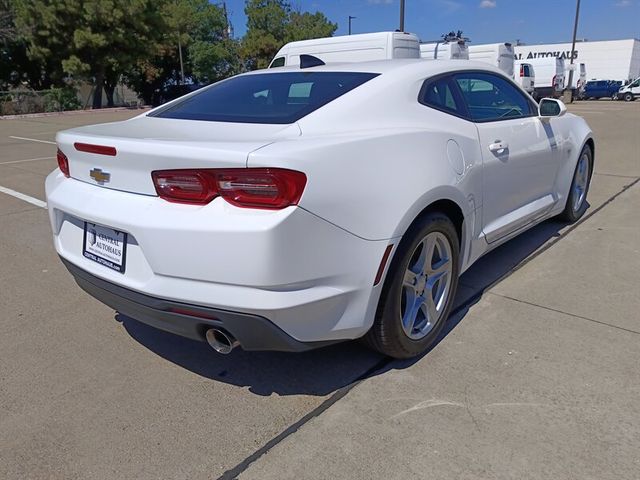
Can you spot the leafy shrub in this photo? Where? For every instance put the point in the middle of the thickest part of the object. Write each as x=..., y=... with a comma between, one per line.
x=60, y=99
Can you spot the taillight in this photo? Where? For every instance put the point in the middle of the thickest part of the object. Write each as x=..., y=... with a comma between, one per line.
x=184, y=186
x=63, y=163
x=553, y=80
x=521, y=71
x=272, y=188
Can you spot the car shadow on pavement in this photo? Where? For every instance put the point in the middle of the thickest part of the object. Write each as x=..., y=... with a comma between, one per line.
x=323, y=371
x=317, y=372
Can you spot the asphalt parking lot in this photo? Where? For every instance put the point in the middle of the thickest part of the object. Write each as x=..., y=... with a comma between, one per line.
x=536, y=377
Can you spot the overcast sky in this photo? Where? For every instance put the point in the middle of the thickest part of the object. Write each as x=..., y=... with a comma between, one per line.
x=484, y=21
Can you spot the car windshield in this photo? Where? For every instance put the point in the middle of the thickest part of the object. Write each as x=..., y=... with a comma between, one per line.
x=279, y=98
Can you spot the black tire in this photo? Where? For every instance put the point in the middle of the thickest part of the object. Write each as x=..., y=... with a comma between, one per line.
x=628, y=97
x=570, y=213
x=387, y=335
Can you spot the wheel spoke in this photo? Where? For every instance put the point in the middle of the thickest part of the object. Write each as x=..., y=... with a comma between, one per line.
x=430, y=244
x=440, y=268
x=411, y=314
x=422, y=260
x=430, y=309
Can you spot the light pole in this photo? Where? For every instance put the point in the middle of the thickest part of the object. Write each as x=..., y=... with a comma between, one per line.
x=569, y=91
x=181, y=64
x=350, y=18
x=402, y=15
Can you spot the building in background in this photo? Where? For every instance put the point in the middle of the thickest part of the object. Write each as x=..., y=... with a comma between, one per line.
x=604, y=60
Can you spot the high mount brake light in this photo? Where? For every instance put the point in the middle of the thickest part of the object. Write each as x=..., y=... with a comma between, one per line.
x=270, y=188
x=63, y=163
x=99, y=149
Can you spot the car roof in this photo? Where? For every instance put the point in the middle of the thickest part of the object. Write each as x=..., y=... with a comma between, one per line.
x=394, y=66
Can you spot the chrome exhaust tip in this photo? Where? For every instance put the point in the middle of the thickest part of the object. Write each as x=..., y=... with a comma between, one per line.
x=220, y=341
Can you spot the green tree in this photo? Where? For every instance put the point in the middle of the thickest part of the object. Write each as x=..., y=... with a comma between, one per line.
x=266, y=27
x=196, y=30
x=305, y=25
x=96, y=39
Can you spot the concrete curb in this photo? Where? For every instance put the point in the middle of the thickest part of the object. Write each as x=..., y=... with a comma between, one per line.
x=72, y=112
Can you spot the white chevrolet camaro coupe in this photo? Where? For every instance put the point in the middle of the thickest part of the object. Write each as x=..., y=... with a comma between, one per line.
x=293, y=208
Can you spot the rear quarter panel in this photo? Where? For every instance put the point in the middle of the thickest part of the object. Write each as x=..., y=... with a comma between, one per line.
x=375, y=183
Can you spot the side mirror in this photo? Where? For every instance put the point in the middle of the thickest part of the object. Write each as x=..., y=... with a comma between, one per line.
x=550, y=107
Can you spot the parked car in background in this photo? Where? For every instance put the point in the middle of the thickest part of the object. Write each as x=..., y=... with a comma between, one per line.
x=351, y=48
x=595, y=89
x=630, y=92
x=525, y=77
x=291, y=208
x=499, y=55
x=549, y=76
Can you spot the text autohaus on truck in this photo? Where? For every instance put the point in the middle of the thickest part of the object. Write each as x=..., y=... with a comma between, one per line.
x=557, y=53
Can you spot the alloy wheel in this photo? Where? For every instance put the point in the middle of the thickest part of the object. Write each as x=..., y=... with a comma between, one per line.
x=426, y=285
x=580, y=182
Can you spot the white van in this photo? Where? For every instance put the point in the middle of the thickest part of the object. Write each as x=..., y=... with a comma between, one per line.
x=351, y=48
x=549, y=76
x=631, y=91
x=499, y=55
x=579, y=79
x=456, y=50
x=525, y=76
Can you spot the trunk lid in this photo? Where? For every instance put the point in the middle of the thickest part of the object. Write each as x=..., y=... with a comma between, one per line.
x=144, y=144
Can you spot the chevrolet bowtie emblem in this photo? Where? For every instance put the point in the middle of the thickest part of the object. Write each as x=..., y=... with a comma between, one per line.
x=99, y=176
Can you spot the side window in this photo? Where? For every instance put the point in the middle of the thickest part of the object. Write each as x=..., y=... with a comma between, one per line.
x=278, y=62
x=527, y=72
x=491, y=98
x=439, y=94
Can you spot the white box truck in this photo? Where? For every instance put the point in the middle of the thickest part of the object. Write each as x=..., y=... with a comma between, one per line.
x=351, y=48
x=549, y=76
x=455, y=50
x=499, y=55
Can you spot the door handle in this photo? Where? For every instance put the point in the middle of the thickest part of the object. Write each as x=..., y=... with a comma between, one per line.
x=498, y=146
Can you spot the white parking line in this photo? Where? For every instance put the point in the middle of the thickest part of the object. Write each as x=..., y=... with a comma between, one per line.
x=22, y=196
x=27, y=160
x=32, y=140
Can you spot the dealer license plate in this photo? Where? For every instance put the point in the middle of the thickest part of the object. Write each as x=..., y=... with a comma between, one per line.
x=105, y=246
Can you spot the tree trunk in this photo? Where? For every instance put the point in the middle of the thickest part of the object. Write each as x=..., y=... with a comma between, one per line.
x=109, y=90
x=97, y=94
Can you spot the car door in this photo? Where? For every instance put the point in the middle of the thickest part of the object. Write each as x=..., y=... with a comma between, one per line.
x=520, y=153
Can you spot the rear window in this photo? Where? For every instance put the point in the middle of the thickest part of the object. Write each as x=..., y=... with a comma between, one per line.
x=278, y=98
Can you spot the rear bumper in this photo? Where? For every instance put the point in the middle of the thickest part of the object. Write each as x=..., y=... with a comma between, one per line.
x=307, y=277
x=252, y=331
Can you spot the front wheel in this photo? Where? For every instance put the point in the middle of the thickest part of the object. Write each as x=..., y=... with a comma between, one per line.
x=628, y=97
x=577, y=199
x=419, y=290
